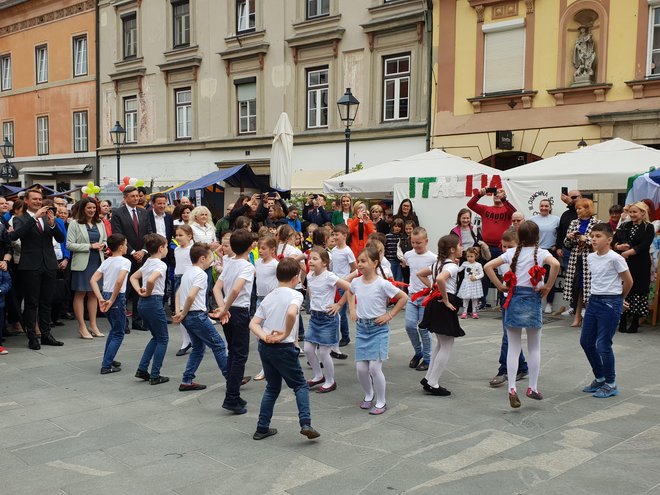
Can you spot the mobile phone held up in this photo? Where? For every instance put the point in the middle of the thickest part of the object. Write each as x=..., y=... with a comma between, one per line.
x=491, y=190
x=564, y=191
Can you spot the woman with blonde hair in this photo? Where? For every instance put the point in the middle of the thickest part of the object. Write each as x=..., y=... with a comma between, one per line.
x=577, y=285
x=345, y=210
x=633, y=241
x=202, y=226
x=378, y=218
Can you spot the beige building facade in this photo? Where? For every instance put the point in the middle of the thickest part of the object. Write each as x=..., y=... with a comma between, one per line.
x=200, y=84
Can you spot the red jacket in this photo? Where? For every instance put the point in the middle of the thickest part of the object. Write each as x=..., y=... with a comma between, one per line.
x=494, y=219
x=358, y=242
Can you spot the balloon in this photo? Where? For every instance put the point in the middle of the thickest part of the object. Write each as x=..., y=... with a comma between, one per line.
x=90, y=184
x=85, y=189
x=85, y=195
x=97, y=189
x=127, y=179
x=140, y=183
x=122, y=187
x=133, y=181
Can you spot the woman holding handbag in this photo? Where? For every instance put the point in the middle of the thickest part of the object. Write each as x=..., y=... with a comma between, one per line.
x=86, y=239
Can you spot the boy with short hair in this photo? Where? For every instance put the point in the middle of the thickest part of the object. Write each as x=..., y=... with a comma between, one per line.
x=191, y=310
x=114, y=271
x=275, y=324
x=153, y=274
x=233, y=311
x=343, y=264
x=417, y=259
x=610, y=283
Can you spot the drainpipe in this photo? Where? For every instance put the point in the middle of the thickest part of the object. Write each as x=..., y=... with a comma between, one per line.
x=428, y=22
x=97, y=49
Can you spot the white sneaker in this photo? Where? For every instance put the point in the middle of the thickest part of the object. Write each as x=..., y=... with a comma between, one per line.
x=548, y=309
x=568, y=312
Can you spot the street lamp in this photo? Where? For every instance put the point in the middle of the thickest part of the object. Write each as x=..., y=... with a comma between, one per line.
x=348, y=107
x=118, y=136
x=582, y=144
x=8, y=171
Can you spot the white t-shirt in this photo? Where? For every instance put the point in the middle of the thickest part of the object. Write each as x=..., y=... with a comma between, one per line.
x=234, y=270
x=387, y=267
x=273, y=310
x=372, y=298
x=341, y=260
x=525, y=262
x=150, y=266
x=182, y=259
x=289, y=251
x=605, y=273
x=451, y=268
x=194, y=277
x=266, y=276
x=111, y=268
x=418, y=262
x=322, y=290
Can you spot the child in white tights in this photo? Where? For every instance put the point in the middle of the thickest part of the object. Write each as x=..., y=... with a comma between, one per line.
x=471, y=287
x=524, y=283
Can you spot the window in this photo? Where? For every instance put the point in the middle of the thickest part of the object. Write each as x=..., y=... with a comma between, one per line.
x=318, y=8
x=504, y=59
x=181, y=14
x=42, y=135
x=130, y=119
x=8, y=131
x=129, y=28
x=183, y=103
x=79, y=131
x=245, y=15
x=317, y=98
x=396, y=87
x=246, y=94
x=5, y=72
x=654, y=42
x=80, y=56
x=41, y=53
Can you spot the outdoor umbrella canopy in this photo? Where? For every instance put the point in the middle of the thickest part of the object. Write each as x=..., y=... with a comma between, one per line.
x=281, y=154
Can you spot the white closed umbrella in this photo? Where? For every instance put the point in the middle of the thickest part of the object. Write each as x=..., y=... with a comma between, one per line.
x=281, y=155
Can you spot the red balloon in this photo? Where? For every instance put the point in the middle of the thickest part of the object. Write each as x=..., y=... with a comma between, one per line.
x=122, y=187
x=127, y=179
x=85, y=195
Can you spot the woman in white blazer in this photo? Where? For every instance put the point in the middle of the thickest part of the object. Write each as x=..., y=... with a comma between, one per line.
x=86, y=239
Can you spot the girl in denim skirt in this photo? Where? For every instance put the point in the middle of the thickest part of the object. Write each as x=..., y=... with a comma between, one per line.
x=524, y=283
x=367, y=299
x=323, y=328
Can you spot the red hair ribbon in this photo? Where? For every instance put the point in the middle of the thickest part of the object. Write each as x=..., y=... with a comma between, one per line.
x=536, y=274
x=510, y=280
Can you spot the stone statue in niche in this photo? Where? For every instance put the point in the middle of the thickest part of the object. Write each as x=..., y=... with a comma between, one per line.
x=584, y=58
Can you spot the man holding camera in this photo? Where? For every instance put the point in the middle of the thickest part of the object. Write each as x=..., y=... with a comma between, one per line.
x=494, y=219
x=314, y=210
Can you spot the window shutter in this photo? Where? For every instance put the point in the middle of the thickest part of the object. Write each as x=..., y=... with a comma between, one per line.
x=504, y=61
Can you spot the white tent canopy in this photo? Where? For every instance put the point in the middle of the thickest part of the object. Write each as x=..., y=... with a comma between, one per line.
x=603, y=166
x=382, y=178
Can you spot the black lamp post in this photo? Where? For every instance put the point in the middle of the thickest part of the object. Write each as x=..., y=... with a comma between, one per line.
x=582, y=144
x=8, y=171
x=348, y=107
x=118, y=136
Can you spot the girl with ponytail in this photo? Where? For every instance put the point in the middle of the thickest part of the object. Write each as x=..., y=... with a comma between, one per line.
x=524, y=283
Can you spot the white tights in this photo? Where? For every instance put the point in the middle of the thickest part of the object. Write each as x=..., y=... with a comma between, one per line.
x=466, y=304
x=371, y=377
x=315, y=361
x=533, y=356
x=185, y=338
x=439, y=359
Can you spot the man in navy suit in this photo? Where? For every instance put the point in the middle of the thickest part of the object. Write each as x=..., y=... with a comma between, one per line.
x=36, y=229
x=162, y=223
x=132, y=222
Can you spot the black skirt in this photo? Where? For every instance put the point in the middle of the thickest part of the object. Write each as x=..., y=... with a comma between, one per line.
x=439, y=319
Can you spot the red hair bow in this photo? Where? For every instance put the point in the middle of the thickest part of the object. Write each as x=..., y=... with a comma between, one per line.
x=536, y=274
x=511, y=281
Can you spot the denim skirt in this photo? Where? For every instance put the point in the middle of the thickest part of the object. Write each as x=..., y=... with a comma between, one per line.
x=322, y=329
x=524, y=309
x=372, y=341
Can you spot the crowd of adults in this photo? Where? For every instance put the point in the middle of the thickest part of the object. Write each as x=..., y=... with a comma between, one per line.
x=50, y=247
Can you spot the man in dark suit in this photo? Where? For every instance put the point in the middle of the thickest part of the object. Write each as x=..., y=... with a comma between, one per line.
x=132, y=222
x=162, y=223
x=36, y=229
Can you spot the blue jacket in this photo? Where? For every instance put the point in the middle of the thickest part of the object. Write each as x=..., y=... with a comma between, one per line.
x=65, y=252
x=5, y=285
x=295, y=224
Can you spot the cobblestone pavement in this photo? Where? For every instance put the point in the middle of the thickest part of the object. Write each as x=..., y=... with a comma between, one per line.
x=65, y=429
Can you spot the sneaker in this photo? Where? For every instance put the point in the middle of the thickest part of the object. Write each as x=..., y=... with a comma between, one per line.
x=260, y=435
x=142, y=375
x=593, y=387
x=568, y=312
x=514, y=401
x=416, y=359
x=111, y=369
x=423, y=366
x=187, y=387
x=3, y=350
x=475, y=316
x=534, y=394
x=158, y=380
x=309, y=432
x=498, y=380
x=464, y=316
x=376, y=411
x=606, y=391
x=235, y=408
x=548, y=309
x=520, y=375
x=116, y=364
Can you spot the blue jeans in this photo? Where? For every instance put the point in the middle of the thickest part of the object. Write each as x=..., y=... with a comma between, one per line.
x=419, y=337
x=202, y=334
x=237, y=334
x=280, y=362
x=116, y=316
x=397, y=273
x=153, y=314
x=343, y=320
x=598, y=328
x=486, y=284
x=522, y=364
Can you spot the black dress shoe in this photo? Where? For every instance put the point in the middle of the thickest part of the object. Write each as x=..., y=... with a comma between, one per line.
x=127, y=331
x=138, y=326
x=344, y=342
x=235, y=408
x=183, y=350
x=57, y=324
x=142, y=375
x=338, y=355
x=34, y=344
x=48, y=339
